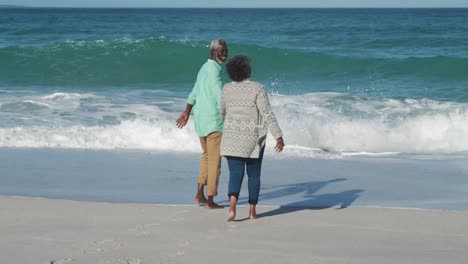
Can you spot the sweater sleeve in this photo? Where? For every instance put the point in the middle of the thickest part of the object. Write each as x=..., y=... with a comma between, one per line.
x=264, y=108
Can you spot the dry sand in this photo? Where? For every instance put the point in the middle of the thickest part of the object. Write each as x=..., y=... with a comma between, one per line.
x=39, y=231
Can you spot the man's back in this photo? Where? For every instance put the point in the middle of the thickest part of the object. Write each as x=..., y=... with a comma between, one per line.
x=205, y=97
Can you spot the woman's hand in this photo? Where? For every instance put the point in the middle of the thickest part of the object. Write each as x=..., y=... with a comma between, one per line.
x=279, y=144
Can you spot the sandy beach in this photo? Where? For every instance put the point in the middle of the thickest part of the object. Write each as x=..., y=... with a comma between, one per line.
x=136, y=207
x=44, y=231
x=372, y=103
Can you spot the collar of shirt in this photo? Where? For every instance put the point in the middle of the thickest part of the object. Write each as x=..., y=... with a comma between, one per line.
x=215, y=63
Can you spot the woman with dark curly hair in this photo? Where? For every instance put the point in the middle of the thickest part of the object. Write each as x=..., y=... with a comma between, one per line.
x=247, y=116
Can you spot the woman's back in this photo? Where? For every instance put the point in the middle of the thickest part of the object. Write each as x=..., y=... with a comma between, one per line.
x=247, y=116
x=240, y=101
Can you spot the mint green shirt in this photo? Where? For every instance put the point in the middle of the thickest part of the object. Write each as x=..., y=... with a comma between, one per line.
x=205, y=98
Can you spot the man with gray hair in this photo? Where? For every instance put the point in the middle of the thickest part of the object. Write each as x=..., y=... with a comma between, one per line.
x=205, y=100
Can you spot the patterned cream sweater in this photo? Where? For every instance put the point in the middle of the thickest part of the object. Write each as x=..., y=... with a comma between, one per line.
x=247, y=116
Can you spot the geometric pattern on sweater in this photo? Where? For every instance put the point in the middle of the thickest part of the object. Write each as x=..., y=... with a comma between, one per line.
x=247, y=116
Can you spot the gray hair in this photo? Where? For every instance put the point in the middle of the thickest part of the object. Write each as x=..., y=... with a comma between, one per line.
x=216, y=44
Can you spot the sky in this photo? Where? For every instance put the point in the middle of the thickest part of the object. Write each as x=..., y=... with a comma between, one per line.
x=238, y=3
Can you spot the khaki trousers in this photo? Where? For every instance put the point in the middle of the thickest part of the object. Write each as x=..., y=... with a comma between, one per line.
x=210, y=164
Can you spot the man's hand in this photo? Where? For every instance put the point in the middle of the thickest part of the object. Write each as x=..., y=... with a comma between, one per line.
x=182, y=120
x=279, y=144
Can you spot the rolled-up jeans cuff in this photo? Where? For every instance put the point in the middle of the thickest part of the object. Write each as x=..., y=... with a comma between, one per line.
x=233, y=194
x=253, y=201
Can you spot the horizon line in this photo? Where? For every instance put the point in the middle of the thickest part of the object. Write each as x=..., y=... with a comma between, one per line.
x=190, y=7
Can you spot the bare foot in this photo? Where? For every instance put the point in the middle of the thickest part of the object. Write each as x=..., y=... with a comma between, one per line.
x=252, y=213
x=232, y=215
x=200, y=200
x=213, y=206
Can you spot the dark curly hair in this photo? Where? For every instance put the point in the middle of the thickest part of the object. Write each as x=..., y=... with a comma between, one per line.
x=239, y=68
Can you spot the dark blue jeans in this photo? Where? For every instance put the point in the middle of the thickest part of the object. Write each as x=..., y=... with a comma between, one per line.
x=237, y=167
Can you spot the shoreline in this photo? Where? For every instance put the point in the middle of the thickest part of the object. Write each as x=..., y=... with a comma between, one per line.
x=170, y=178
x=226, y=206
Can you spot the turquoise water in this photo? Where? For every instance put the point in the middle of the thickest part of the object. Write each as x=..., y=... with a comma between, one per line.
x=351, y=81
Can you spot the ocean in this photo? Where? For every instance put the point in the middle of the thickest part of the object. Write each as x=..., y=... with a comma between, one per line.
x=342, y=82
x=373, y=103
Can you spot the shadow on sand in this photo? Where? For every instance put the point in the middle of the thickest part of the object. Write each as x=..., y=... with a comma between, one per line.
x=316, y=202
x=309, y=200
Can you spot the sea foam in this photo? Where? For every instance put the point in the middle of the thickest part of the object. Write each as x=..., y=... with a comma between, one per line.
x=314, y=125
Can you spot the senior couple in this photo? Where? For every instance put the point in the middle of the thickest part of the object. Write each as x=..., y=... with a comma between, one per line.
x=231, y=121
